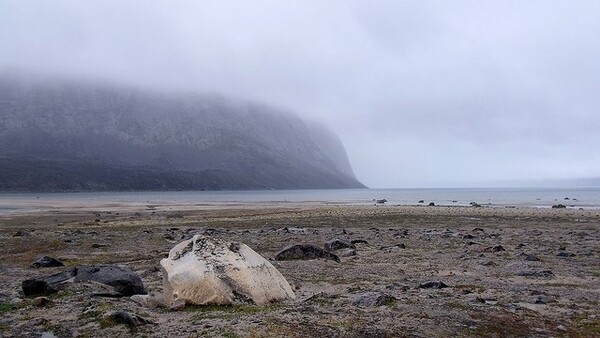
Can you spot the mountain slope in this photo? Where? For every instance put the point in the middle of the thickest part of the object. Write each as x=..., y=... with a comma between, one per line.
x=81, y=136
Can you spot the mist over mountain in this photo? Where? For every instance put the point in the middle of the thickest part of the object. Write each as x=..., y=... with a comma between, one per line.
x=58, y=135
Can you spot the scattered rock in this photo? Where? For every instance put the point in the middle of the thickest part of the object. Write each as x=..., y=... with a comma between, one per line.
x=396, y=286
x=536, y=273
x=421, y=201
x=126, y=318
x=478, y=230
x=359, y=241
x=468, y=236
x=205, y=270
x=529, y=257
x=100, y=245
x=336, y=244
x=21, y=233
x=559, y=206
x=373, y=299
x=346, y=252
x=388, y=247
x=46, y=262
x=543, y=299
x=41, y=301
x=304, y=252
x=565, y=254
x=496, y=248
x=433, y=285
x=381, y=201
x=475, y=204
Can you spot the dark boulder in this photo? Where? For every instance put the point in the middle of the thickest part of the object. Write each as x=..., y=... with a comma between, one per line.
x=431, y=204
x=559, y=206
x=433, y=285
x=336, y=244
x=304, y=252
x=46, y=262
x=36, y=287
x=359, y=241
x=121, y=278
x=43, y=286
x=565, y=254
x=124, y=281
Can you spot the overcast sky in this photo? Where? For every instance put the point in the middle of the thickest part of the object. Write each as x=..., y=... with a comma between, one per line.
x=422, y=93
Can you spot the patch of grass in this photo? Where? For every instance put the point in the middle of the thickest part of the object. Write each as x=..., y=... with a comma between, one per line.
x=229, y=334
x=6, y=307
x=60, y=294
x=457, y=306
x=470, y=287
x=584, y=327
x=502, y=326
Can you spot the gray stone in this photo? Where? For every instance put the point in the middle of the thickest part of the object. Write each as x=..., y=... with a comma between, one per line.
x=46, y=262
x=337, y=244
x=565, y=254
x=529, y=257
x=124, y=281
x=121, y=278
x=372, y=299
x=41, y=301
x=536, y=273
x=346, y=252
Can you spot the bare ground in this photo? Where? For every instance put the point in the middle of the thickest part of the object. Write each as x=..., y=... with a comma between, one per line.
x=487, y=294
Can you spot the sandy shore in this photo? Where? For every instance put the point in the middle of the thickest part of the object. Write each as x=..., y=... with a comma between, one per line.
x=491, y=292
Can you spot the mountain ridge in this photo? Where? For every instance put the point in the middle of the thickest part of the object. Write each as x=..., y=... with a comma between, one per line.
x=110, y=129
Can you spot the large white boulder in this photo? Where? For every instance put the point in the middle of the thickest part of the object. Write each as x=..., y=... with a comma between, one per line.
x=206, y=270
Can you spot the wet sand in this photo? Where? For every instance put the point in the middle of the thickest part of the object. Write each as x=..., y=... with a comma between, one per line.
x=491, y=292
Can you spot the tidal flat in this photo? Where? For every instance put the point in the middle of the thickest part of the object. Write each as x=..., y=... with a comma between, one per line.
x=509, y=272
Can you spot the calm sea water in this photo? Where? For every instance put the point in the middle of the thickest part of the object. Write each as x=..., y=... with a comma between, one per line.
x=580, y=198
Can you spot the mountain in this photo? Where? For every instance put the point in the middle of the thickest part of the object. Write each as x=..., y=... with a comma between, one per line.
x=76, y=135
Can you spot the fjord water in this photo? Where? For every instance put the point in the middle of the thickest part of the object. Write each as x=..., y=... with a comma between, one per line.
x=31, y=202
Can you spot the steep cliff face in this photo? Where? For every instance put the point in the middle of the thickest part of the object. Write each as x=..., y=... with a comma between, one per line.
x=81, y=136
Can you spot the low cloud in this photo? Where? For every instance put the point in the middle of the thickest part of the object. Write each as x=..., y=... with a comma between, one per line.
x=429, y=93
